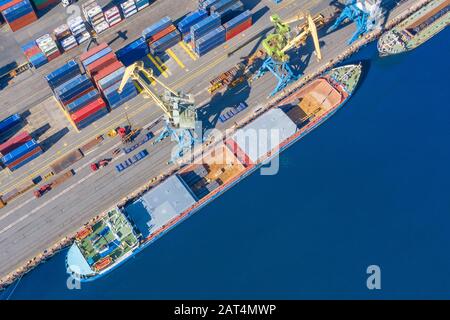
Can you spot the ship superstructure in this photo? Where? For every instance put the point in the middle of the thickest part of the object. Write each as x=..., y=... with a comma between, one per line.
x=416, y=29
x=97, y=252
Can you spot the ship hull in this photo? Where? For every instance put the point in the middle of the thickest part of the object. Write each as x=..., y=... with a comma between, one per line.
x=216, y=193
x=416, y=29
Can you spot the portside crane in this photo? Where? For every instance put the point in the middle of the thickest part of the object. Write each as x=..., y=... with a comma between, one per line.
x=366, y=14
x=277, y=44
x=179, y=108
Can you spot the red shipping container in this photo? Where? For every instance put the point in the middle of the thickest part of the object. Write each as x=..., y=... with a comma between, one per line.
x=23, y=21
x=25, y=157
x=53, y=55
x=101, y=63
x=238, y=29
x=107, y=71
x=88, y=110
x=161, y=34
x=32, y=52
x=78, y=96
x=14, y=142
x=93, y=51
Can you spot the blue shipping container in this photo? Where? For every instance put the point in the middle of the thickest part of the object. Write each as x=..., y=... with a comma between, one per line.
x=133, y=52
x=192, y=18
x=63, y=74
x=73, y=85
x=166, y=42
x=155, y=28
x=204, y=26
x=111, y=79
x=96, y=56
x=82, y=101
x=17, y=166
x=20, y=151
x=210, y=41
x=231, y=12
x=92, y=118
x=238, y=20
x=9, y=122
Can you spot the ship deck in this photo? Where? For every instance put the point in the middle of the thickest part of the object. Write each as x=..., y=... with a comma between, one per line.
x=111, y=237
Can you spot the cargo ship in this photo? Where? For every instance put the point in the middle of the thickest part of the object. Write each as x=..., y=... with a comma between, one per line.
x=416, y=29
x=124, y=232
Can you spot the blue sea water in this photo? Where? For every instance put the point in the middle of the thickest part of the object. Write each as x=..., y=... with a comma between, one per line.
x=370, y=186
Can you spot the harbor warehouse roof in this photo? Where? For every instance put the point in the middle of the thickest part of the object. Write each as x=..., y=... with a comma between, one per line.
x=160, y=205
x=264, y=133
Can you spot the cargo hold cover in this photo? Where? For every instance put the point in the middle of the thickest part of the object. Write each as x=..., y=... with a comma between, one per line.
x=160, y=205
x=264, y=133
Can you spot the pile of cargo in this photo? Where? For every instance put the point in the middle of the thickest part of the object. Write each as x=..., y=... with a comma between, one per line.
x=78, y=28
x=128, y=8
x=48, y=46
x=94, y=15
x=161, y=35
x=18, y=149
x=65, y=37
x=34, y=54
x=112, y=16
x=17, y=13
x=107, y=72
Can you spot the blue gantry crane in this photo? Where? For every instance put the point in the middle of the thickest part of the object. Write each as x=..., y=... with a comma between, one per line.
x=366, y=14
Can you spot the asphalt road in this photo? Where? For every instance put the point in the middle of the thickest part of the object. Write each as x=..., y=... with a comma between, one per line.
x=29, y=226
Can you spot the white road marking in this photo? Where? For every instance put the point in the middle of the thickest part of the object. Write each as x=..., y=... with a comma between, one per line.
x=46, y=203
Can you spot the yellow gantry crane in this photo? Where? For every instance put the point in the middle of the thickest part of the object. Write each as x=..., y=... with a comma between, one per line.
x=179, y=108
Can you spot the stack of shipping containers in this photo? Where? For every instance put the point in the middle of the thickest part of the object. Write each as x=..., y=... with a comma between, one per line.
x=161, y=35
x=238, y=24
x=78, y=28
x=17, y=13
x=128, y=8
x=18, y=149
x=74, y=91
x=187, y=22
x=65, y=37
x=48, y=46
x=112, y=16
x=107, y=72
x=94, y=15
x=227, y=19
x=34, y=54
x=22, y=154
